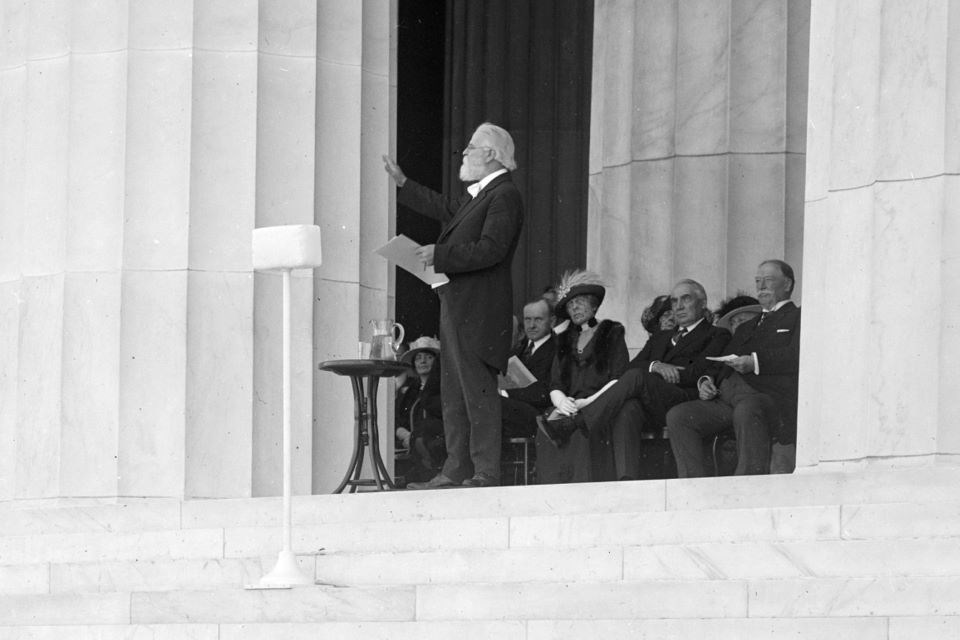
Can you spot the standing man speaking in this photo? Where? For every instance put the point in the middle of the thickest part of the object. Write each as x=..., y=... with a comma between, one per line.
x=475, y=249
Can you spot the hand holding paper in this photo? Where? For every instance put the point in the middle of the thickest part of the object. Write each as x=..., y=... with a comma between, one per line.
x=405, y=253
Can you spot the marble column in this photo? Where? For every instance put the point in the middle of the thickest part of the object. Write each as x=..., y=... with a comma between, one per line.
x=353, y=206
x=697, y=143
x=879, y=373
x=140, y=144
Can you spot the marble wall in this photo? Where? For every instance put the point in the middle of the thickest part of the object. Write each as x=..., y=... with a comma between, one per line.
x=881, y=341
x=697, y=146
x=140, y=143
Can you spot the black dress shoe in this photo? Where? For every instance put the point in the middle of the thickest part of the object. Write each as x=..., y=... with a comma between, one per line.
x=438, y=481
x=480, y=480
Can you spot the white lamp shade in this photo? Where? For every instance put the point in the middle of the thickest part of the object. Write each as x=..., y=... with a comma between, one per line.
x=291, y=246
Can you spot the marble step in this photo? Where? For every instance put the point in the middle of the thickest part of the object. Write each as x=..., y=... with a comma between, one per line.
x=876, y=486
x=776, y=524
x=861, y=628
x=103, y=546
x=784, y=524
x=699, y=561
x=233, y=605
x=928, y=486
x=780, y=599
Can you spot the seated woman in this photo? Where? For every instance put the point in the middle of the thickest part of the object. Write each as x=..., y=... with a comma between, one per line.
x=419, y=413
x=737, y=310
x=590, y=357
x=658, y=316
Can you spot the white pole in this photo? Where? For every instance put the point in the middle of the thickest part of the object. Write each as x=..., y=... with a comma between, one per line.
x=286, y=573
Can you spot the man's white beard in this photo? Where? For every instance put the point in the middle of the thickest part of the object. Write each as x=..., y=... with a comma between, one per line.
x=469, y=173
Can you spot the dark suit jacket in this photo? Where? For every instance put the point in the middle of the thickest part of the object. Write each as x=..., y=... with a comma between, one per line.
x=475, y=250
x=538, y=393
x=777, y=345
x=690, y=352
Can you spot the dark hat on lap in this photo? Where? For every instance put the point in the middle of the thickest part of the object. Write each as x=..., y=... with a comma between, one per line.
x=735, y=306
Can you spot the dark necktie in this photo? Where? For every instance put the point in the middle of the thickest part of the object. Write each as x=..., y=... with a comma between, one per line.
x=528, y=351
x=763, y=316
x=682, y=331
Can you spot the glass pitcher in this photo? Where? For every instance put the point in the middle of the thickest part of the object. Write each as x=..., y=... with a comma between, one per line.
x=387, y=338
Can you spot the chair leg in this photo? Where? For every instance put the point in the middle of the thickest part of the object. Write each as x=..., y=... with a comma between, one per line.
x=526, y=462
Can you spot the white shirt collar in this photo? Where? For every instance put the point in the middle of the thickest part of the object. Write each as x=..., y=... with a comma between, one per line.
x=537, y=343
x=693, y=326
x=475, y=188
x=776, y=307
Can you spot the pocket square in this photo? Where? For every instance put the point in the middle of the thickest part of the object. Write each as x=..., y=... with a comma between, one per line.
x=783, y=330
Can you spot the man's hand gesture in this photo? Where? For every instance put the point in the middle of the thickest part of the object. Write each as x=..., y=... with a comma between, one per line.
x=391, y=167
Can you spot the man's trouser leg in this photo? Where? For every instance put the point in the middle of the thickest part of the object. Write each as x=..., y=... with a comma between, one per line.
x=753, y=415
x=688, y=424
x=625, y=438
x=469, y=393
x=456, y=422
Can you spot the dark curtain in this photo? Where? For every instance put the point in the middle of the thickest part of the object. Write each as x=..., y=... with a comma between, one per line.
x=420, y=148
x=526, y=66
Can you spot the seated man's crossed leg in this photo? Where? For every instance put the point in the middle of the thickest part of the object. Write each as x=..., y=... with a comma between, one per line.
x=637, y=400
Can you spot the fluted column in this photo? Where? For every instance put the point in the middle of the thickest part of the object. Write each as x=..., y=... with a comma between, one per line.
x=353, y=208
x=140, y=144
x=693, y=164
x=880, y=340
x=286, y=173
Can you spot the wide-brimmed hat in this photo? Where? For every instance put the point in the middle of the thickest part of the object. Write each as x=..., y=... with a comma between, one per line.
x=650, y=318
x=578, y=283
x=724, y=322
x=423, y=343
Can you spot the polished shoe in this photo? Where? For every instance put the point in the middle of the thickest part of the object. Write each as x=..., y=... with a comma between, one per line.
x=438, y=481
x=480, y=480
x=559, y=430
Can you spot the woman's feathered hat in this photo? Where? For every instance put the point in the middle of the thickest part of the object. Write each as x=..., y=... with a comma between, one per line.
x=577, y=283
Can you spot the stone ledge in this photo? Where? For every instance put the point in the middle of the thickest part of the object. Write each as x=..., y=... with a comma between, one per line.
x=96, y=547
x=46, y=609
x=114, y=632
x=424, y=535
x=712, y=628
x=679, y=599
x=304, y=604
x=599, y=529
x=820, y=559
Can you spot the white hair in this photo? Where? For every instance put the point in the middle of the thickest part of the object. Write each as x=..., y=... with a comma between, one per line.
x=500, y=143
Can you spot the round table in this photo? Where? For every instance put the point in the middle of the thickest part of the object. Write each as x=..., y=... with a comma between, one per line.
x=365, y=430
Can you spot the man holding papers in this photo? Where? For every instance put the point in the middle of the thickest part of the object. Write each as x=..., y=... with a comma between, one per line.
x=753, y=389
x=522, y=404
x=474, y=250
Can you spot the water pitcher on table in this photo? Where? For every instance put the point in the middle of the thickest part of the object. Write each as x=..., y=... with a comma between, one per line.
x=387, y=338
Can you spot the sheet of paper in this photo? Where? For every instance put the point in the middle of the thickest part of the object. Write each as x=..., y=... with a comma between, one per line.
x=723, y=358
x=517, y=377
x=402, y=251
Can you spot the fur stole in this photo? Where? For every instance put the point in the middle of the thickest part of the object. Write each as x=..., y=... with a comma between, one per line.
x=600, y=356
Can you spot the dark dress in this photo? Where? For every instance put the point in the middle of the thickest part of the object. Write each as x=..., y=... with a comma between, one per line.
x=423, y=405
x=580, y=375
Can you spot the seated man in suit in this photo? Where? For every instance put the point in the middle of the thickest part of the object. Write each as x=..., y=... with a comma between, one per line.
x=520, y=407
x=754, y=391
x=662, y=375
